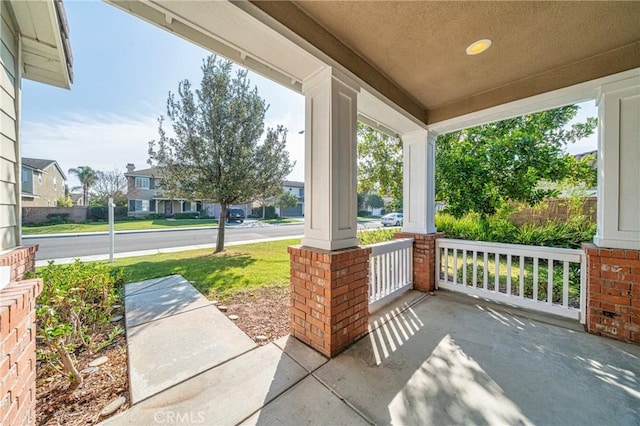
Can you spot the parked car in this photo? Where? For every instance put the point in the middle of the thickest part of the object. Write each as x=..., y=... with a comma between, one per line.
x=235, y=215
x=392, y=219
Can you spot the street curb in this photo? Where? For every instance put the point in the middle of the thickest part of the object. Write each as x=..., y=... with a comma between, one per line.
x=100, y=257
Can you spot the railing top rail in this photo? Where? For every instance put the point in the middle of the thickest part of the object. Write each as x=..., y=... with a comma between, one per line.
x=571, y=255
x=389, y=246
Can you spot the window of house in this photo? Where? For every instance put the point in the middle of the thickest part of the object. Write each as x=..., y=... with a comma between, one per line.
x=25, y=176
x=40, y=178
x=141, y=205
x=142, y=182
x=152, y=205
x=55, y=183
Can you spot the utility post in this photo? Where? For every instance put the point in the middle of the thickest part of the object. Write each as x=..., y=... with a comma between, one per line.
x=110, y=207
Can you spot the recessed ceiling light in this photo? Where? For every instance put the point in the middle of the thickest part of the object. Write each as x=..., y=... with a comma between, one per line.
x=478, y=46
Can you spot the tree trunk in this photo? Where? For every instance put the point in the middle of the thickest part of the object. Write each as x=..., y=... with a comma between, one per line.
x=69, y=367
x=263, y=211
x=221, y=223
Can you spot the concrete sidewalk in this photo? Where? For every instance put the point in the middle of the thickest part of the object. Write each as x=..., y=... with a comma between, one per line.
x=427, y=360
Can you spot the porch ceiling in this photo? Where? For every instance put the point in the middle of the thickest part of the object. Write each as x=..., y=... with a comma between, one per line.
x=414, y=52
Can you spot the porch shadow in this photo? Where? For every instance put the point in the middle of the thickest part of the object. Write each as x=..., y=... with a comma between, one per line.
x=472, y=363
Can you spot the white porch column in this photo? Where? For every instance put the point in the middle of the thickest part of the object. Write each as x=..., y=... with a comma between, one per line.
x=619, y=165
x=419, y=182
x=330, y=161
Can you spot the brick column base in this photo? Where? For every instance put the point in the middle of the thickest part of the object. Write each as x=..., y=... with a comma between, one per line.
x=613, y=293
x=18, y=338
x=329, y=297
x=18, y=352
x=20, y=260
x=424, y=259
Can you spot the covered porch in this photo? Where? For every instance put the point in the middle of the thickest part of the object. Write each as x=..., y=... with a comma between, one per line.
x=412, y=79
x=438, y=360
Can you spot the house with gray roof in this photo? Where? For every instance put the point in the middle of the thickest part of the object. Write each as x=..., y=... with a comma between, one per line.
x=43, y=182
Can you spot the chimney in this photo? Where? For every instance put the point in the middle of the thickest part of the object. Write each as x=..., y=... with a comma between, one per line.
x=131, y=167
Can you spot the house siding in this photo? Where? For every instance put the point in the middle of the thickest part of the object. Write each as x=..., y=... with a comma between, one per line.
x=9, y=144
x=47, y=195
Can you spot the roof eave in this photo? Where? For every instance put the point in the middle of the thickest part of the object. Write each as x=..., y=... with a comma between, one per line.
x=47, y=61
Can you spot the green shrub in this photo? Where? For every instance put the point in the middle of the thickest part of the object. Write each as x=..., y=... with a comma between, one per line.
x=75, y=306
x=269, y=212
x=376, y=236
x=101, y=213
x=498, y=228
x=187, y=215
x=364, y=213
x=57, y=218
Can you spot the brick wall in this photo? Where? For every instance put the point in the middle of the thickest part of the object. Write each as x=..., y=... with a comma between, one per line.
x=20, y=259
x=613, y=292
x=329, y=297
x=424, y=259
x=39, y=214
x=18, y=339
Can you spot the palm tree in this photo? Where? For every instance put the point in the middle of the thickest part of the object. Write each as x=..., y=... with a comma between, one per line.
x=87, y=177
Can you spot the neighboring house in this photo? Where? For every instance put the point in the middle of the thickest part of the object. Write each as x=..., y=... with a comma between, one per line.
x=594, y=154
x=35, y=46
x=145, y=195
x=77, y=198
x=297, y=189
x=43, y=183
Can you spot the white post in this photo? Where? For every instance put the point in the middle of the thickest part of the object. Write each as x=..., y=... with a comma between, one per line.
x=618, y=171
x=110, y=207
x=419, y=182
x=330, y=161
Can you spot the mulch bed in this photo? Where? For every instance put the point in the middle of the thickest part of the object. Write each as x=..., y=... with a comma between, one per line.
x=56, y=406
x=263, y=312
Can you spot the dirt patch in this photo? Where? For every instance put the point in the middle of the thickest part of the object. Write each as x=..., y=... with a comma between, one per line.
x=56, y=406
x=263, y=312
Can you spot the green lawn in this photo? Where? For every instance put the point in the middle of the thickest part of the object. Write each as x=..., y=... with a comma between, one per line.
x=239, y=269
x=128, y=225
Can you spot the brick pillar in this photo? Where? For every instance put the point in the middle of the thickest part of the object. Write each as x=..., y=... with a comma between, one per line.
x=424, y=259
x=20, y=260
x=329, y=297
x=613, y=292
x=18, y=339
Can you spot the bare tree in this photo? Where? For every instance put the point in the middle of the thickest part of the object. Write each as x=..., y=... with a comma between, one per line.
x=109, y=184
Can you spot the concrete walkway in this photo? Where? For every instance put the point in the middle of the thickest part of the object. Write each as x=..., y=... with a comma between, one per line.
x=428, y=360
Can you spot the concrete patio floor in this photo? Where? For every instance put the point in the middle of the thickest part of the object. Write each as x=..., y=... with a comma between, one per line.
x=428, y=360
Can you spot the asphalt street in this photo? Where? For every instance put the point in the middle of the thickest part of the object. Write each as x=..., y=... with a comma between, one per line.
x=86, y=245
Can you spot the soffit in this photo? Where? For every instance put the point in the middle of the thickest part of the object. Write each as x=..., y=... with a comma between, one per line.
x=414, y=52
x=46, y=51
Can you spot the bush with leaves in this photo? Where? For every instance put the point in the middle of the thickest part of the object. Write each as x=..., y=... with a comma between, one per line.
x=74, y=307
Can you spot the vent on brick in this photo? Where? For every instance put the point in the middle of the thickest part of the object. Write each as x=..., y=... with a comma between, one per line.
x=608, y=314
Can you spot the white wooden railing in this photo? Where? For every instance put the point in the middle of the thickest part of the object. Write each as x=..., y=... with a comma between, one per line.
x=390, y=269
x=514, y=274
